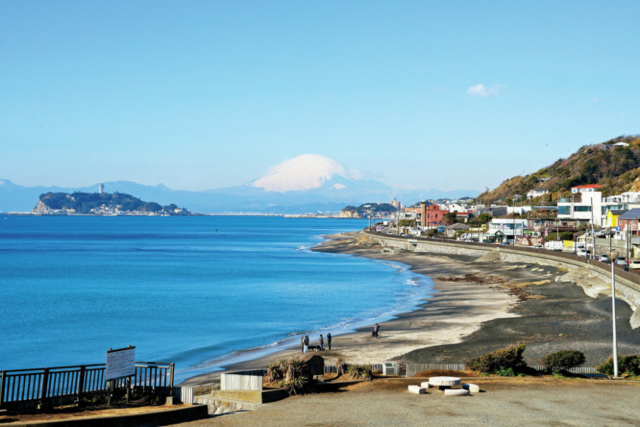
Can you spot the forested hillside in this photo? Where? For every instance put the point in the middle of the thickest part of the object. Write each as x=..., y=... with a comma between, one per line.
x=616, y=168
x=85, y=202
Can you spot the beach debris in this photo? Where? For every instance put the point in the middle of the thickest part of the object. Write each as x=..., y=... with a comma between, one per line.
x=417, y=389
x=473, y=388
x=456, y=392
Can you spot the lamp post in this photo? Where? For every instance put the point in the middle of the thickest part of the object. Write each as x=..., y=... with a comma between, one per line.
x=613, y=318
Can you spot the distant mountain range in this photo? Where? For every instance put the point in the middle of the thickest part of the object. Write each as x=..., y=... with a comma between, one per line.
x=306, y=184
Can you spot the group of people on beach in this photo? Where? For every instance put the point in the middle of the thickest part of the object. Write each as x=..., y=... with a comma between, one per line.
x=304, y=341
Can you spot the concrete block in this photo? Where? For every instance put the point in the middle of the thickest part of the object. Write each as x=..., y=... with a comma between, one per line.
x=169, y=401
x=471, y=387
x=444, y=381
x=456, y=392
x=425, y=385
x=417, y=389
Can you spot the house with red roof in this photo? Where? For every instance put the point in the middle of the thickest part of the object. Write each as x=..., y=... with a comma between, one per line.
x=589, y=188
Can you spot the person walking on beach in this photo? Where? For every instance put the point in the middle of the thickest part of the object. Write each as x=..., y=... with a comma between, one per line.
x=306, y=343
x=321, y=342
x=302, y=344
x=376, y=327
x=329, y=340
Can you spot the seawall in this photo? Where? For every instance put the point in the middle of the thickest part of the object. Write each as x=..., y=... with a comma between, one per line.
x=627, y=284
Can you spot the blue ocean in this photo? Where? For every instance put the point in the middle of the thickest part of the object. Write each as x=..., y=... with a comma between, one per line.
x=189, y=290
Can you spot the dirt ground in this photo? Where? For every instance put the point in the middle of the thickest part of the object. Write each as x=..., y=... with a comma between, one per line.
x=512, y=402
x=73, y=413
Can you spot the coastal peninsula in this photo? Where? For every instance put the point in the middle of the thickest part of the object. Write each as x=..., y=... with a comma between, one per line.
x=101, y=204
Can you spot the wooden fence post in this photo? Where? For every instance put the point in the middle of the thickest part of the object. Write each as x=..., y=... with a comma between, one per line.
x=80, y=390
x=172, y=367
x=2, y=386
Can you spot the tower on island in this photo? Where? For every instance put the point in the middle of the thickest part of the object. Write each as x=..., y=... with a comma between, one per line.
x=101, y=188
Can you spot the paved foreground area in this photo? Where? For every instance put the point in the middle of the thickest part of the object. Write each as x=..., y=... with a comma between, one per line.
x=513, y=402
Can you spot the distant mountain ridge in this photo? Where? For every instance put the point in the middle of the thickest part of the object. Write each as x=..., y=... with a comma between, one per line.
x=305, y=184
x=240, y=199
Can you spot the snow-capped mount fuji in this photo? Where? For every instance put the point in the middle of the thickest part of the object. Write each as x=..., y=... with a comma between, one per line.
x=307, y=183
x=304, y=172
x=319, y=176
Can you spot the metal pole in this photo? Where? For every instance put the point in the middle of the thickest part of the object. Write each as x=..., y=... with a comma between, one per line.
x=593, y=236
x=514, y=221
x=613, y=318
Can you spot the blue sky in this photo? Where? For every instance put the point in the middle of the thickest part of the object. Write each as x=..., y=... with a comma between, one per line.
x=200, y=95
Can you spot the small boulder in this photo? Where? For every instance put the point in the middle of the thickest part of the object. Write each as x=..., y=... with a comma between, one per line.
x=417, y=389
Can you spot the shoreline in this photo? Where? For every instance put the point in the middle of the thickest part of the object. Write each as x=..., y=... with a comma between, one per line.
x=450, y=312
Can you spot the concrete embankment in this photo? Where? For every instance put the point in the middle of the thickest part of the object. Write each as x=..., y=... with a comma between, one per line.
x=594, y=277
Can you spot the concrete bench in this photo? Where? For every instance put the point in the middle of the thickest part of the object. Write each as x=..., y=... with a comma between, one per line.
x=417, y=389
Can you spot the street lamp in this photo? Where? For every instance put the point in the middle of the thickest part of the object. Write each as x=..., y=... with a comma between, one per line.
x=613, y=319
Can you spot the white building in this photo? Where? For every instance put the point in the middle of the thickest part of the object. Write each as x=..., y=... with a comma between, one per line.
x=101, y=189
x=519, y=209
x=580, y=207
x=537, y=192
x=589, y=188
x=504, y=227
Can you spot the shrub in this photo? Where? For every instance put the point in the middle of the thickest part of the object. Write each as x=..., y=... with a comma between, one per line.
x=295, y=375
x=505, y=372
x=274, y=372
x=626, y=365
x=359, y=371
x=508, y=358
x=563, y=360
x=341, y=366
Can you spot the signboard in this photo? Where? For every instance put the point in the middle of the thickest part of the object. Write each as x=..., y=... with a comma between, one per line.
x=121, y=363
x=618, y=228
x=378, y=228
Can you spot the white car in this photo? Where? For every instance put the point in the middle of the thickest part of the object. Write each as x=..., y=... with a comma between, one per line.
x=634, y=264
x=583, y=253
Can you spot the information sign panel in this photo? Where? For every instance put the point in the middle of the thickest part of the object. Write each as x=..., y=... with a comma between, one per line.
x=121, y=363
x=618, y=228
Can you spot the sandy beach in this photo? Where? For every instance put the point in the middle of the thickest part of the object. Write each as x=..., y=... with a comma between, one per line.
x=475, y=307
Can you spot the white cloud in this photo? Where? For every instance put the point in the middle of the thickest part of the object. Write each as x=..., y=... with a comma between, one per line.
x=483, y=91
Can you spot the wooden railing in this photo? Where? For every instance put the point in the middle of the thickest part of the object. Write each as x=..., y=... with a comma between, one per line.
x=29, y=387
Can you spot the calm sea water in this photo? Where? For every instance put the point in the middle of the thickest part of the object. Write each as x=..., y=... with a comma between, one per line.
x=189, y=290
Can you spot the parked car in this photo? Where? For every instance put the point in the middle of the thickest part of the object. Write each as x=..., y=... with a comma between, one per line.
x=604, y=258
x=582, y=252
x=621, y=261
x=634, y=264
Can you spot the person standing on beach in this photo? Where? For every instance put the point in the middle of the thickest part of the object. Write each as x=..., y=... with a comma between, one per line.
x=302, y=344
x=321, y=342
x=376, y=327
x=306, y=344
x=329, y=340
